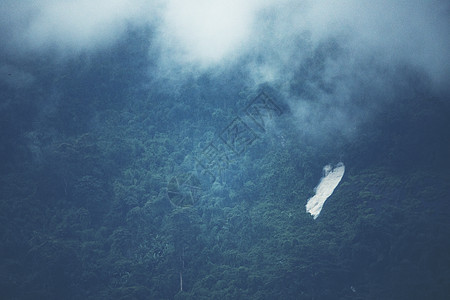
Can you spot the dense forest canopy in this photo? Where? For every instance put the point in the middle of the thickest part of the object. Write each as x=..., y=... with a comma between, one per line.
x=168, y=150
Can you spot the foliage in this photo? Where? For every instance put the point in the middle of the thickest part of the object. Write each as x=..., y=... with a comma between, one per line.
x=86, y=215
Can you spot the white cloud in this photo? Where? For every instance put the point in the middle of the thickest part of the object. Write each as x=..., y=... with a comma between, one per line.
x=205, y=31
x=279, y=35
x=67, y=25
x=209, y=30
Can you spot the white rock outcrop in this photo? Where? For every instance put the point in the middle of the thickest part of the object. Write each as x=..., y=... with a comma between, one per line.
x=330, y=180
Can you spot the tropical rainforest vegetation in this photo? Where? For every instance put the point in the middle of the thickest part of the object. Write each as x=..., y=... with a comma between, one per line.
x=88, y=154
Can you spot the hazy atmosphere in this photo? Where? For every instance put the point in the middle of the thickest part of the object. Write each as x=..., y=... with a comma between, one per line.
x=167, y=149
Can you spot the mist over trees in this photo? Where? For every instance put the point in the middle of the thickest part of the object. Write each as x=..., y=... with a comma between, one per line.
x=123, y=176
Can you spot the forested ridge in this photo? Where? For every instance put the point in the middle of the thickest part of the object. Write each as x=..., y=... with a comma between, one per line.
x=88, y=150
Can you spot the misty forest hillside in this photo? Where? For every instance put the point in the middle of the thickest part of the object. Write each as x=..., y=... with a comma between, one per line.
x=96, y=150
